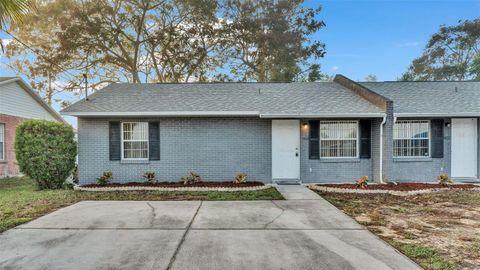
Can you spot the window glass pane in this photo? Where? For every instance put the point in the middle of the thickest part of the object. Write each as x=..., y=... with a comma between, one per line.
x=411, y=138
x=135, y=140
x=338, y=138
x=338, y=148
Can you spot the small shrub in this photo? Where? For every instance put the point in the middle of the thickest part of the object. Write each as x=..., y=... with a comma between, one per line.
x=444, y=179
x=75, y=175
x=45, y=152
x=240, y=178
x=149, y=176
x=105, y=178
x=192, y=178
x=362, y=182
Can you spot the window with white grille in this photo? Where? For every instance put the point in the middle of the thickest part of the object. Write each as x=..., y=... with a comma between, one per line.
x=411, y=138
x=2, y=141
x=135, y=140
x=338, y=139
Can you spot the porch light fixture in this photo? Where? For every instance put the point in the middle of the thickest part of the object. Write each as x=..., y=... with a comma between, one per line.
x=305, y=125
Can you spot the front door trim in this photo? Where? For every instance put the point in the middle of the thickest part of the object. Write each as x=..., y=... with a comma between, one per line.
x=285, y=150
x=464, y=156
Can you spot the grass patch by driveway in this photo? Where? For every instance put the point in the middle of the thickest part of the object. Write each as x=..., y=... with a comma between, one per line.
x=437, y=230
x=20, y=201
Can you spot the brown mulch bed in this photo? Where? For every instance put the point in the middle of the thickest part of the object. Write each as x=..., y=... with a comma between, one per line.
x=226, y=184
x=400, y=186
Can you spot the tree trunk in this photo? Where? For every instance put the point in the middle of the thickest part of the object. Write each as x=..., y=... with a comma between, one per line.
x=49, y=90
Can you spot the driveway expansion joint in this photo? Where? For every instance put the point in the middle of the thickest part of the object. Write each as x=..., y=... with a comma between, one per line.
x=153, y=214
x=278, y=216
x=175, y=253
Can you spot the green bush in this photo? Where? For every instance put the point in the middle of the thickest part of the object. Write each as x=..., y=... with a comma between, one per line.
x=105, y=178
x=45, y=152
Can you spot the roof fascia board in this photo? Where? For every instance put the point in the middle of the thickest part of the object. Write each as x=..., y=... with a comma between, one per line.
x=173, y=113
x=10, y=80
x=471, y=114
x=321, y=115
x=220, y=113
x=369, y=95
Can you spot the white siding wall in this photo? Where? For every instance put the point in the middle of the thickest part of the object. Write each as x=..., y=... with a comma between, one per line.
x=14, y=100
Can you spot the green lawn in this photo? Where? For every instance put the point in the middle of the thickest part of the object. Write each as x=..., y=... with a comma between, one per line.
x=20, y=201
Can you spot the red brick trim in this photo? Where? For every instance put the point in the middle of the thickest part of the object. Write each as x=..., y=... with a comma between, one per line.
x=8, y=166
x=371, y=96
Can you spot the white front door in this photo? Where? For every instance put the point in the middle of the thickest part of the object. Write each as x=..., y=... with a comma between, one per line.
x=464, y=147
x=285, y=149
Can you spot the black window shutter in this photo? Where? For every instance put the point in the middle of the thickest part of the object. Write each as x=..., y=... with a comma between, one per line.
x=437, y=138
x=154, y=141
x=365, y=138
x=114, y=140
x=313, y=141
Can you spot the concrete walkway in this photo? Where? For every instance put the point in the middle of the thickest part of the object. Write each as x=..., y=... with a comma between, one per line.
x=297, y=192
x=303, y=233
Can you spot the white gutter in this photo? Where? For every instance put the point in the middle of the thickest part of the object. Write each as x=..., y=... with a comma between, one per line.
x=320, y=115
x=223, y=113
x=381, y=148
x=165, y=113
x=448, y=114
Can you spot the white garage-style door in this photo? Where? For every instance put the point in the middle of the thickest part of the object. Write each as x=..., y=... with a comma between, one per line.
x=285, y=149
x=464, y=147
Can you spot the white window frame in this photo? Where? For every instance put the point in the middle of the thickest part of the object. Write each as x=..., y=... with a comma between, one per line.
x=357, y=144
x=429, y=138
x=2, y=139
x=122, y=141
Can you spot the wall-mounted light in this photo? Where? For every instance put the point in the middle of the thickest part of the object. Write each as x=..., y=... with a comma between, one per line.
x=447, y=124
x=305, y=125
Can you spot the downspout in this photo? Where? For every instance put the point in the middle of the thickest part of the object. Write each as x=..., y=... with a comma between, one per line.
x=381, y=148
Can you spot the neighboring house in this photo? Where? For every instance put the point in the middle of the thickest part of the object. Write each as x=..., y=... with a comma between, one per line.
x=18, y=102
x=312, y=132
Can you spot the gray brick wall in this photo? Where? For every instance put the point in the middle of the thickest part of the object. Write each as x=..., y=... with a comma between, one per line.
x=387, y=165
x=331, y=170
x=219, y=148
x=424, y=169
x=216, y=148
x=376, y=124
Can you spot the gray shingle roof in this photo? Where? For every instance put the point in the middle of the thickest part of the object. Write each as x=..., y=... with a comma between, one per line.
x=319, y=98
x=431, y=97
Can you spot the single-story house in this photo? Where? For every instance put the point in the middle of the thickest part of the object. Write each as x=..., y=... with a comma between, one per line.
x=309, y=131
x=18, y=102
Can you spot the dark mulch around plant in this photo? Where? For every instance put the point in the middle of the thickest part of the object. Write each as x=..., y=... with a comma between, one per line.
x=229, y=184
x=400, y=186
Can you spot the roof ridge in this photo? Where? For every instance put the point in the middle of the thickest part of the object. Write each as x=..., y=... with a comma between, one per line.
x=478, y=81
x=197, y=83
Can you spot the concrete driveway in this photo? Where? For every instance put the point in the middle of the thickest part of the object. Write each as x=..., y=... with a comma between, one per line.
x=302, y=233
